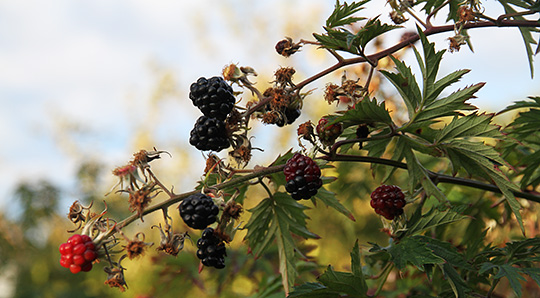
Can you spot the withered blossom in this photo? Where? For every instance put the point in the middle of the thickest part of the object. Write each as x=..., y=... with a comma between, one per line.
x=115, y=277
x=136, y=247
x=76, y=215
x=141, y=198
x=171, y=243
x=287, y=47
x=305, y=131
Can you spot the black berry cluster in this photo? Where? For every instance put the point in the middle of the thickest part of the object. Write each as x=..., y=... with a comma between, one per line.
x=209, y=134
x=214, y=97
x=198, y=211
x=78, y=253
x=303, y=177
x=388, y=201
x=211, y=250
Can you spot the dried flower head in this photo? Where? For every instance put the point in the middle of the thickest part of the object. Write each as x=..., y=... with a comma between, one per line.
x=465, y=14
x=115, y=276
x=286, y=47
x=137, y=246
x=456, y=42
x=76, y=211
x=141, y=198
x=330, y=93
x=171, y=243
x=397, y=17
x=306, y=131
x=284, y=76
x=232, y=210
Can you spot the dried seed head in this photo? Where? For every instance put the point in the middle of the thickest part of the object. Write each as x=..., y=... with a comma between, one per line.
x=305, y=131
x=284, y=76
x=115, y=278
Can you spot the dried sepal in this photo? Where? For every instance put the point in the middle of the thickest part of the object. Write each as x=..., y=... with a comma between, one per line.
x=171, y=243
x=115, y=276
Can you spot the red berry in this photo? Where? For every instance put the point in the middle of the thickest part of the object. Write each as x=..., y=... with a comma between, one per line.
x=303, y=177
x=328, y=133
x=74, y=268
x=90, y=246
x=65, y=248
x=79, y=249
x=86, y=267
x=86, y=238
x=90, y=255
x=68, y=258
x=63, y=262
x=388, y=201
x=75, y=239
x=78, y=260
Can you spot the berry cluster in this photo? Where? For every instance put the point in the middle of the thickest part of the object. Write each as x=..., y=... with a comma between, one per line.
x=303, y=177
x=198, y=211
x=214, y=97
x=78, y=253
x=211, y=250
x=209, y=134
x=290, y=116
x=388, y=201
x=328, y=133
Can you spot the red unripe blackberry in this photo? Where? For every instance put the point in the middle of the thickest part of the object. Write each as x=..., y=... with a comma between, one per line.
x=78, y=253
x=211, y=249
x=328, y=133
x=214, y=97
x=303, y=177
x=388, y=201
x=198, y=211
x=209, y=134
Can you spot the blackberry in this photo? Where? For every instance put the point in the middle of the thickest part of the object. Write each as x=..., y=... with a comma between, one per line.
x=211, y=250
x=303, y=177
x=290, y=116
x=209, y=134
x=214, y=97
x=198, y=211
x=388, y=201
x=328, y=133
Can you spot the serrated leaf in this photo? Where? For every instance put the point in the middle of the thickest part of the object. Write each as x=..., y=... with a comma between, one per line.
x=405, y=82
x=411, y=250
x=365, y=111
x=329, y=198
x=279, y=178
x=372, y=29
x=356, y=266
x=429, y=66
x=513, y=276
x=312, y=290
x=450, y=105
x=434, y=218
x=443, y=83
x=472, y=125
x=444, y=250
x=535, y=103
x=342, y=14
x=285, y=246
x=343, y=282
x=526, y=32
x=459, y=286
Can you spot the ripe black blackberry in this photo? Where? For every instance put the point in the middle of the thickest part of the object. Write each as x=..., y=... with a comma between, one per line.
x=214, y=97
x=211, y=249
x=209, y=134
x=303, y=177
x=290, y=116
x=388, y=201
x=198, y=211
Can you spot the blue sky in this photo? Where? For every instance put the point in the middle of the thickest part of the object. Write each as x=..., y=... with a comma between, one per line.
x=87, y=65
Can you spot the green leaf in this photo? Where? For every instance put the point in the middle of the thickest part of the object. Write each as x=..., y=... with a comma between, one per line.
x=513, y=276
x=450, y=105
x=329, y=198
x=313, y=290
x=286, y=247
x=434, y=218
x=526, y=33
x=535, y=103
x=405, y=82
x=279, y=178
x=356, y=266
x=472, y=125
x=365, y=111
x=342, y=14
x=372, y=29
x=411, y=250
x=430, y=67
x=459, y=286
x=261, y=228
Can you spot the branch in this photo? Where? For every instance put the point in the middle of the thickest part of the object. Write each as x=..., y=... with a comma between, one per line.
x=177, y=198
x=413, y=38
x=435, y=177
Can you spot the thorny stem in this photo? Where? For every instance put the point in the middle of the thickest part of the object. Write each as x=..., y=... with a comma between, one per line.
x=429, y=31
x=384, y=274
x=177, y=198
x=165, y=189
